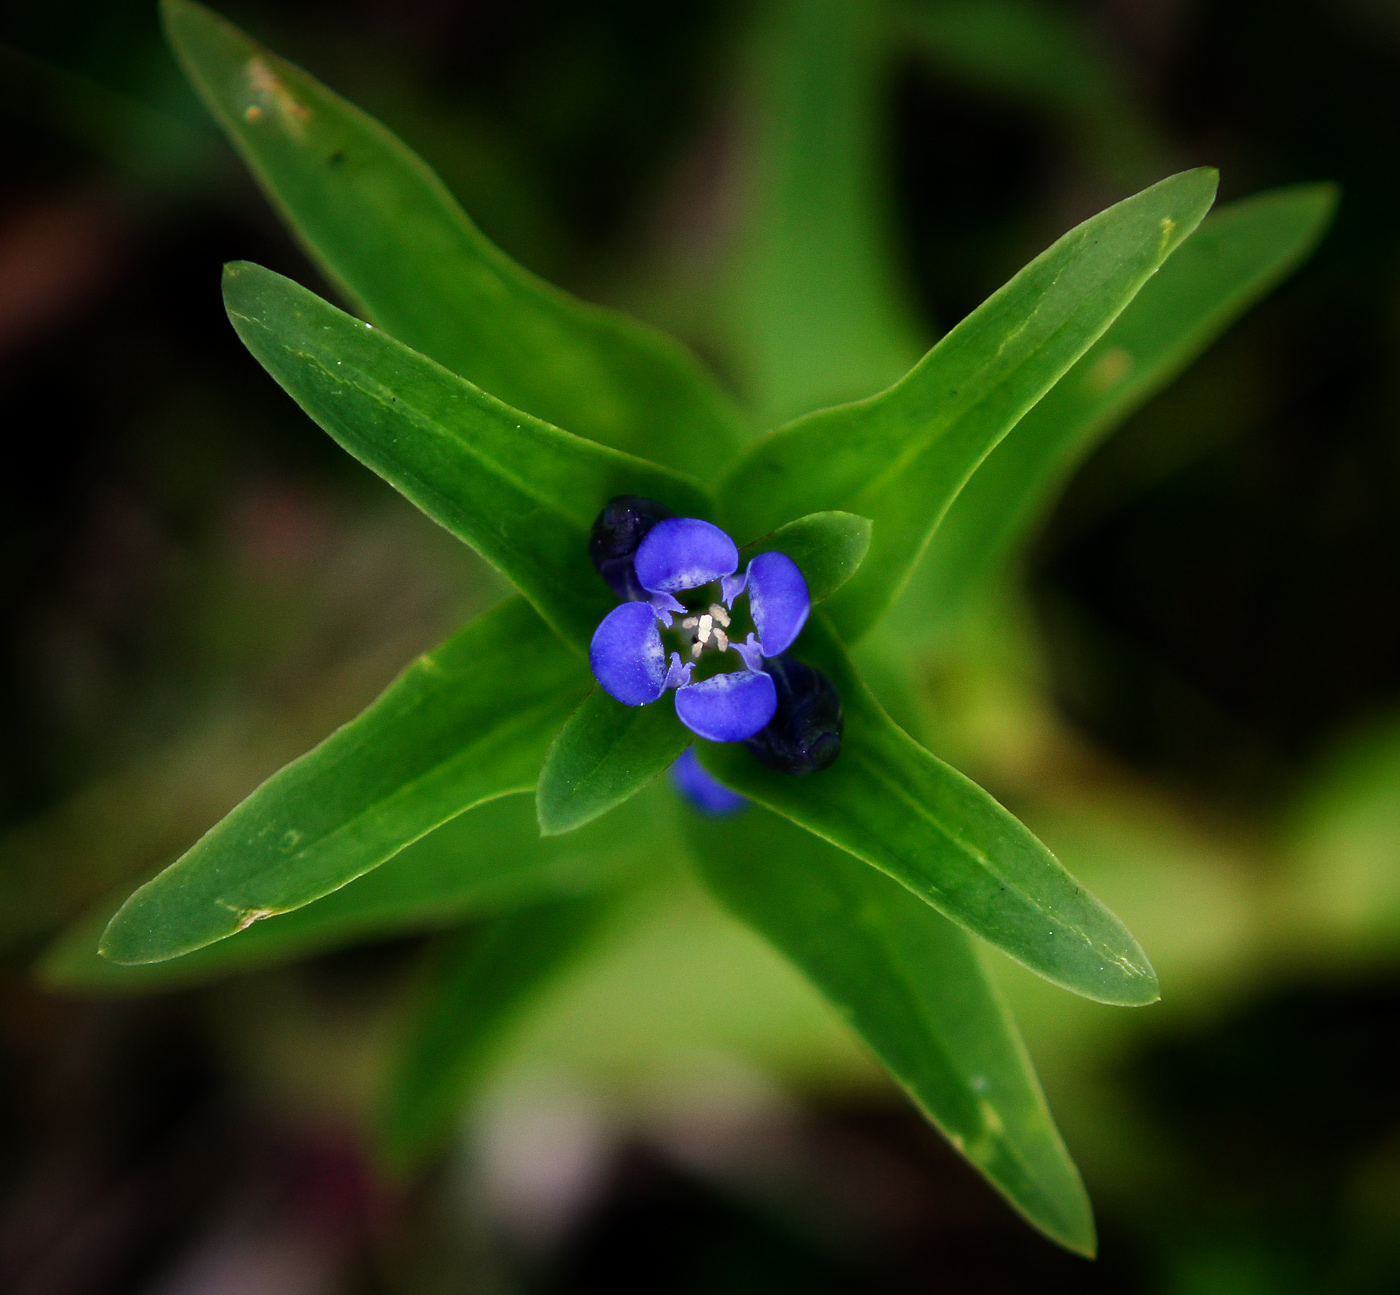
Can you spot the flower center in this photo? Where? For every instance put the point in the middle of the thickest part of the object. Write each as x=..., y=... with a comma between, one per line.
x=704, y=631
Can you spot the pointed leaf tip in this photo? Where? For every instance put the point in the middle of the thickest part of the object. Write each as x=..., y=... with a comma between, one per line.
x=386, y=231
x=902, y=457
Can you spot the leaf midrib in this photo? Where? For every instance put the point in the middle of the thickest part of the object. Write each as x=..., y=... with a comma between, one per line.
x=978, y=858
x=305, y=855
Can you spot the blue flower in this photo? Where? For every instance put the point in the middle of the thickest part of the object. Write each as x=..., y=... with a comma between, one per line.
x=675, y=555
x=701, y=789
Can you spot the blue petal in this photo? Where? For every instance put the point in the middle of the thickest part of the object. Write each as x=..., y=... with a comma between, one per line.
x=701, y=789
x=684, y=553
x=751, y=650
x=778, y=600
x=627, y=656
x=678, y=675
x=727, y=707
x=666, y=606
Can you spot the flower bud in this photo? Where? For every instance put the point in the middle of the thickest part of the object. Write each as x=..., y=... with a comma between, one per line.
x=804, y=735
x=621, y=527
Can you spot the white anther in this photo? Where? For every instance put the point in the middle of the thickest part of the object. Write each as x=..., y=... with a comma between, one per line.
x=690, y=622
x=696, y=648
x=721, y=640
x=719, y=614
x=707, y=625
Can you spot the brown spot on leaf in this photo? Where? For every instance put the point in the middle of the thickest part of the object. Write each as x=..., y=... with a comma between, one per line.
x=271, y=94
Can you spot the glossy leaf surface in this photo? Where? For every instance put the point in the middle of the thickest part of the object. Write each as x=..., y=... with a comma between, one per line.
x=1237, y=255
x=483, y=862
x=385, y=230
x=887, y=801
x=523, y=494
x=901, y=457
x=910, y=984
x=474, y=989
x=465, y=723
x=827, y=547
x=605, y=753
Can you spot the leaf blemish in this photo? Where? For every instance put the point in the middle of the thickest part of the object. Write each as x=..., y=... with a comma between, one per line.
x=1168, y=229
x=251, y=915
x=270, y=94
x=1108, y=370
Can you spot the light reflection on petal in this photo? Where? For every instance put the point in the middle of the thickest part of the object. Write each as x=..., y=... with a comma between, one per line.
x=684, y=553
x=626, y=655
x=778, y=601
x=727, y=707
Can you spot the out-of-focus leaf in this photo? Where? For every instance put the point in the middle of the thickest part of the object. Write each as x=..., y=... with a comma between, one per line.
x=1237, y=255
x=475, y=987
x=605, y=753
x=153, y=147
x=887, y=801
x=523, y=494
x=909, y=982
x=465, y=723
x=827, y=547
x=1342, y=896
x=816, y=310
x=901, y=457
x=1040, y=54
x=386, y=231
x=486, y=861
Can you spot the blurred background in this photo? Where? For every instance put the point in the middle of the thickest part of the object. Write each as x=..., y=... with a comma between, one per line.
x=1188, y=684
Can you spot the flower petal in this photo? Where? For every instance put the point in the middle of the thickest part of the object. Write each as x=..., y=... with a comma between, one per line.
x=701, y=789
x=727, y=707
x=778, y=600
x=684, y=553
x=627, y=656
x=678, y=675
x=666, y=606
x=751, y=650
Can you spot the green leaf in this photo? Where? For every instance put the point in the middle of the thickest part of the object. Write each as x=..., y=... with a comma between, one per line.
x=901, y=457
x=389, y=235
x=888, y=801
x=1237, y=255
x=465, y=723
x=910, y=984
x=523, y=494
x=486, y=861
x=475, y=988
x=815, y=301
x=605, y=754
x=828, y=547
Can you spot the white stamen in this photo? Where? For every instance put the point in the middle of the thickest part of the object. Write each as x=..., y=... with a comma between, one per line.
x=719, y=614
x=707, y=624
x=690, y=622
x=721, y=640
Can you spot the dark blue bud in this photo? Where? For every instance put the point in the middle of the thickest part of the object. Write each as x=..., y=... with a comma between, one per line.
x=804, y=735
x=621, y=527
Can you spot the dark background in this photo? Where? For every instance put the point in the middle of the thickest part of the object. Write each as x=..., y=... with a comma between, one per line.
x=190, y=567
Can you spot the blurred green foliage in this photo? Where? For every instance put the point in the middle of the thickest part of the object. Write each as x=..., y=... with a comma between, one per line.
x=1250, y=864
